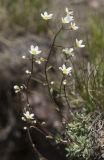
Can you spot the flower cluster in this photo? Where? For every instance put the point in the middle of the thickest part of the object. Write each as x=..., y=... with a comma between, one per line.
x=34, y=51
x=68, y=17
x=67, y=22
x=69, y=52
x=27, y=72
x=17, y=88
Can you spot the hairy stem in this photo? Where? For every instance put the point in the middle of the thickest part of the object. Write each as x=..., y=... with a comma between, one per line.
x=29, y=79
x=48, y=58
x=36, y=153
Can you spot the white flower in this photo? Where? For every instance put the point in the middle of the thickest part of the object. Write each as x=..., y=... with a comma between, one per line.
x=70, y=12
x=79, y=43
x=17, y=89
x=22, y=87
x=73, y=26
x=27, y=116
x=65, y=70
x=34, y=121
x=67, y=19
x=43, y=123
x=46, y=16
x=24, y=57
x=52, y=82
x=64, y=82
x=34, y=50
x=68, y=51
x=27, y=72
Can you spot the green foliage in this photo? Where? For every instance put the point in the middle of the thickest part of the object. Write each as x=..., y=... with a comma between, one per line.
x=23, y=14
x=90, y=85
x=96, y=41
x=89, y=73
x=93, y=77
x=78, y=136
